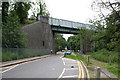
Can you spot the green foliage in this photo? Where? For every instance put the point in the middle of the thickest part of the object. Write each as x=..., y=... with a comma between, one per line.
x=114, y=69
x=60, y=42
x=12, y=15
x=9, y=54
x=0, y=53
x=71, y=56
x=108, y=37
x=73, y=42
x=42, y=10
x=5, y=7
x=108, y=31
x=113, y=31
x=86, y=42
x=77, y=57
x=30, y=21
x=106, y=56
x=84, y=38
x=12, y=34
x=110, y=58
x=21, y=9
x=0, y=36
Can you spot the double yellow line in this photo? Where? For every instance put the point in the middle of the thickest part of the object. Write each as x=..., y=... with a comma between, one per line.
x=81, y=74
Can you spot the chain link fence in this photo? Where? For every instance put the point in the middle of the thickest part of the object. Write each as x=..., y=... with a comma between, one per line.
x=9, y=54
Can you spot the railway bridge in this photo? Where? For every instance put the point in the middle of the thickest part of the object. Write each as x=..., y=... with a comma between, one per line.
x=40, y=35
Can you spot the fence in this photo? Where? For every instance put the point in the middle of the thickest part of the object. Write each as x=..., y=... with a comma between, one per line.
x=19, y=53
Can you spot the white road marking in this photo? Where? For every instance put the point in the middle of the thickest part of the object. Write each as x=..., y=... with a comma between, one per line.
x=63, y=62
x=70, y=76
x=61, y=74
x=63, y=59
x=71, y=63
x=9, y=69
x=68, y=62
x=71, y=69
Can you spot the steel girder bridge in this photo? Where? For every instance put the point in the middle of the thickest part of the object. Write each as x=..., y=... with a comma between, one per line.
x=66, y=26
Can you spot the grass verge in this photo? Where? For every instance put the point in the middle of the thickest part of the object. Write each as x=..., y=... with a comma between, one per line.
x=113, y=68
x=20, y=53
x=107, y=59
x=77, y=57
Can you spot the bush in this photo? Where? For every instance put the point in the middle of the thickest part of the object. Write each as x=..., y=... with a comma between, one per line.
x=106, y=56
x=12, y=33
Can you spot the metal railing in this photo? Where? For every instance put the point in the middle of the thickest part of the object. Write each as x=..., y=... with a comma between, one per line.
x=66, y=23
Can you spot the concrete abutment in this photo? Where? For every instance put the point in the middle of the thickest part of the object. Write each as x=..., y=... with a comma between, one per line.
x=40, y=36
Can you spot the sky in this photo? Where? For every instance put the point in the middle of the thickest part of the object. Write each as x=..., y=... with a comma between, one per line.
x=73, y=10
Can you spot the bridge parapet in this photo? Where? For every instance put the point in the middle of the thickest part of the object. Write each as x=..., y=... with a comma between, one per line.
x=66, y=23
x=63, y=23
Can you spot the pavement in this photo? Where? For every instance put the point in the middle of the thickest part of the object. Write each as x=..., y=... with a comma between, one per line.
x=104, y=72
x=48, y=67
x=8, y=63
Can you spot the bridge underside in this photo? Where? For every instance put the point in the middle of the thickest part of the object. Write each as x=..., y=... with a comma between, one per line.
x=65, y=30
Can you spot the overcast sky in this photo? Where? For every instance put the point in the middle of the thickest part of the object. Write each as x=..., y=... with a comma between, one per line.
x=73, y=10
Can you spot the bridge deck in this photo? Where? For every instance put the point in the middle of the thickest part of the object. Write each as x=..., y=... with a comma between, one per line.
x=66, y=23
x=64, y=26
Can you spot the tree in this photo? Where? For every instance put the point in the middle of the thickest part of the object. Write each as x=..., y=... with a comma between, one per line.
x=5, y=7
x=73, y=42
x=108, y=36
x=86, y=42
x=12, y=35
x=39, y=9
x=42, y=10
x=21, y=9
x=113, y=31
x=60, y=42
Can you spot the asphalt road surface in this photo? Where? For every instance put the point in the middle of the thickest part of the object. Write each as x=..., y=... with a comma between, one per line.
x=50, y=67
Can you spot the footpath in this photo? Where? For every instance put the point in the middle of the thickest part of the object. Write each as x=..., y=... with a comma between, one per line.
x=14, y=62
x=104, y=72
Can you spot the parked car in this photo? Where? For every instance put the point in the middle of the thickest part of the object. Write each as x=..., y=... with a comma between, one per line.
x=68, y=53
x=62, y=51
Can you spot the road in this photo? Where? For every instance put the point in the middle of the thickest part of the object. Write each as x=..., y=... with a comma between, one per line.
x=51, y=67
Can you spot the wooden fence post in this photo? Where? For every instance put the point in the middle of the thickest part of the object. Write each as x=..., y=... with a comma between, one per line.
x=109, y=59
x=88, y=59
